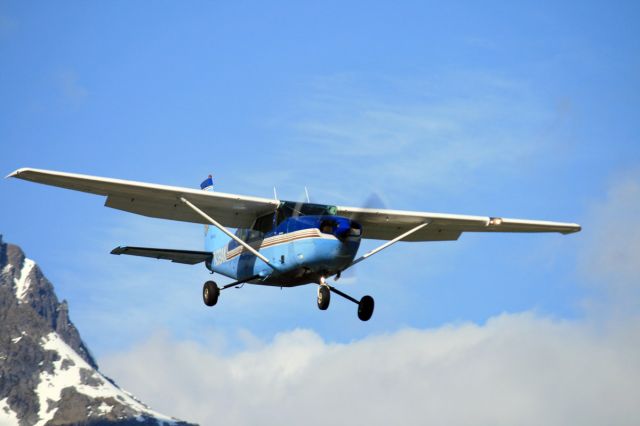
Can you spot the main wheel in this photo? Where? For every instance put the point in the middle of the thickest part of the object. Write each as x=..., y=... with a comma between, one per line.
x=210, y=293
x=324, y=297
x=365, y=308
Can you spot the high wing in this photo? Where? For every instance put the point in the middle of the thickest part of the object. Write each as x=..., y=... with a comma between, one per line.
x=178, y=256
x=239, y=211
x=380, y=224
x=161, y=201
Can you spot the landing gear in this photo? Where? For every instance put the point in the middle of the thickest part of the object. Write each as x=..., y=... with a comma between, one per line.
x=324, y=297
x=365, y=305
x=210, y=293
x=365, y=308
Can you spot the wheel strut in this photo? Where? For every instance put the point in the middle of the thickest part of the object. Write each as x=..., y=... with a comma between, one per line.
x=233, y=284
x=345, y=295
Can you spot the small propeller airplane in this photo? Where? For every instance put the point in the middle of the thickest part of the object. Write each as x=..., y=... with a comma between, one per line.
x=277, y=243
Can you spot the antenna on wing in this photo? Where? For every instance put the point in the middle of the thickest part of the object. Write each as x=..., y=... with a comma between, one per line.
x=307, y=194
x=275, y=193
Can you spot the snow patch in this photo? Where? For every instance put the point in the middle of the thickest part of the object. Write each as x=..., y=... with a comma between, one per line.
x=105, y=408
x=17, y=339
x=51, y=385
x=7, y=416
x=7, y=268
x=23, y=282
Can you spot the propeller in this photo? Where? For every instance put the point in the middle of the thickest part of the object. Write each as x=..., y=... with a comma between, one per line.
x=373, y=201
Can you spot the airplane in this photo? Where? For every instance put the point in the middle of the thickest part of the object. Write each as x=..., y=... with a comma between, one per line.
x=276, y=242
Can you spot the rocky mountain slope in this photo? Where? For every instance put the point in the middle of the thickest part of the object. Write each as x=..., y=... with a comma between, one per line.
x=47, y=374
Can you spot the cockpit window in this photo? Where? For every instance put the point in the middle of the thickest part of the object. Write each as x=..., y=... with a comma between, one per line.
x=289, y=208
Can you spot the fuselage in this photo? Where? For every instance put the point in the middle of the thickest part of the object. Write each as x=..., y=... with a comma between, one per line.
x=302, y=248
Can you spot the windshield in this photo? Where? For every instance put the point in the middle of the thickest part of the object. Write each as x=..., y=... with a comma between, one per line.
x=289, y=208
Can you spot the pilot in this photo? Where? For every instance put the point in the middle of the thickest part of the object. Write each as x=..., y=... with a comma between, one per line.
x=326, y=228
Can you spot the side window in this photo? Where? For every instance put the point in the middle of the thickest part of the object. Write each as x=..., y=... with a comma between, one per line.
x=264, y=223
x=281, y=215
x=242, y=234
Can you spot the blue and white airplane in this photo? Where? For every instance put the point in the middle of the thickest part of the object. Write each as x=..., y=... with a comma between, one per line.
x=278, y=243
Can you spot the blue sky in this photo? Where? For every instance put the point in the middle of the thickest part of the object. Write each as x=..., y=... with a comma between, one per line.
x=435, y=108
x=517, y=110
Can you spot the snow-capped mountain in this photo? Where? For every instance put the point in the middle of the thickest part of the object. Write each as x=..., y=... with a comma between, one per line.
x=47, y=374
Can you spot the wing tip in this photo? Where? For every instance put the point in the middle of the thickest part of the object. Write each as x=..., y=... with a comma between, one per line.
x=118, y=250
x=574, y=227
x=17, y=172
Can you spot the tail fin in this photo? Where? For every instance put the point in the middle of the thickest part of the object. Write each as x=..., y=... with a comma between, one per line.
x=213, y=237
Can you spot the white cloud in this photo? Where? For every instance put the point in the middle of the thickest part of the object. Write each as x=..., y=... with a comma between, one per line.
x=516, y=369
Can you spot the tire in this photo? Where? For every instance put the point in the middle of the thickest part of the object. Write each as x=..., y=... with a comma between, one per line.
x=210, y=293
x=324, y=297
x=365, y=308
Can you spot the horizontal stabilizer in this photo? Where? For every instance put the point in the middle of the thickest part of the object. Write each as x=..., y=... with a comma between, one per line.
x=178, y=256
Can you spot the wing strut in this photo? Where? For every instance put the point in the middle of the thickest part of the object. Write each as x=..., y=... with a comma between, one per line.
x=388, y=243
x=229, y=234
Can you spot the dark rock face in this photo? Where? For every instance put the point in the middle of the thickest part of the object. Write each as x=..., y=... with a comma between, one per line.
x=19, y=378
x=41, y=298
x=47, y=374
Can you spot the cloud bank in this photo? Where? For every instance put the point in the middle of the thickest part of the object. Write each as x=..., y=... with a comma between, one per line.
x=515, y=369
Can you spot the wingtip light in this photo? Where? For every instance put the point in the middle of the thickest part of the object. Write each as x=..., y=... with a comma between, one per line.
x=495, y=221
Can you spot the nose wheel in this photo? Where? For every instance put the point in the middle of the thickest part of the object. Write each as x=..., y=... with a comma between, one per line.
x=324, y=297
